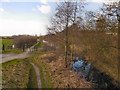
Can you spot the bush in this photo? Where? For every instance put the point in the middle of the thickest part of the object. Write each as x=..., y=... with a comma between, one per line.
x=21, y=40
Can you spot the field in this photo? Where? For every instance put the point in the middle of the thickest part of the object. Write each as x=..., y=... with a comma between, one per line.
x=18, y=74
x=9, y=42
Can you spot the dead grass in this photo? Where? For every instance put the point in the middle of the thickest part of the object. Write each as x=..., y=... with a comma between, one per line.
x=62, y=77
x=15, y=74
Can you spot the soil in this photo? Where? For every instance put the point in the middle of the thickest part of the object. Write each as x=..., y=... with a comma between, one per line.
x=37, y=74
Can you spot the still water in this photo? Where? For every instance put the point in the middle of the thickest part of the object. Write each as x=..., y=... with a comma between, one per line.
x=90, y=73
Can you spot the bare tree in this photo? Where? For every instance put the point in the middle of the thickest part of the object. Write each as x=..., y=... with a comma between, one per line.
x=65, y=16
x=109, y=13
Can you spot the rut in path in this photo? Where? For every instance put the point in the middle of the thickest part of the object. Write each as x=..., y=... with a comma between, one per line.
x=38, y=75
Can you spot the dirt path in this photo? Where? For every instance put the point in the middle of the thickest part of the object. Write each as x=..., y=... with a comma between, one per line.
x=7, y=57
x=38, y=75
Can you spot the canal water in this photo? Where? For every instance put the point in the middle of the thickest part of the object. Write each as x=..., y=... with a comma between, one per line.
x=90, y=73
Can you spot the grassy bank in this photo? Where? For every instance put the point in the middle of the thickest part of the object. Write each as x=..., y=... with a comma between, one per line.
x=18, y=74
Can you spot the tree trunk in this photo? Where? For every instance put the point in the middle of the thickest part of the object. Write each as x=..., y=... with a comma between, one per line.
x=118, y=52
x=66, y=56
x=66, y=43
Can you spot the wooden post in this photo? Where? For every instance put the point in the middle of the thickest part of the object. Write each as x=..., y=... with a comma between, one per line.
x=71, y=56
x=71, y=59
x=65, y=56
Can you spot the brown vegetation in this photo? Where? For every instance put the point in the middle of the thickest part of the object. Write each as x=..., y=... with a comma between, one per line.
x=15, y=74
x=27, y=40
x=90, y=39
x=62, y=77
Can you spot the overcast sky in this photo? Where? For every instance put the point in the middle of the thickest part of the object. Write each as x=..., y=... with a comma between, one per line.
x=30, y=16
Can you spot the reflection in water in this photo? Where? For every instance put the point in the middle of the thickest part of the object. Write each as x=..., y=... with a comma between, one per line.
x=90, y=73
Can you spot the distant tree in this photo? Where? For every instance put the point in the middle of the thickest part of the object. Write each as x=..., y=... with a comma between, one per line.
x=21, y=40
x=109, y=16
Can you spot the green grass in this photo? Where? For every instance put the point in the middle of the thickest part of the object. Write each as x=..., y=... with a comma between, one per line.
x=12, y=51
x=38, y=45
x=18, y=74
x=8, y=42
x=37, y=62
x=10, y=63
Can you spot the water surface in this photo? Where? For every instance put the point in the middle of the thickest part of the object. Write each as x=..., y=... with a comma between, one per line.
x=90, y=73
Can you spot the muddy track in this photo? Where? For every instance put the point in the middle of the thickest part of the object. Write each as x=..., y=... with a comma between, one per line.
x=37, y=71
x=44, y=73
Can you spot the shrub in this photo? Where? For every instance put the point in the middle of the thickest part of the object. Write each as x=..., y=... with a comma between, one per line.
x=21, y=40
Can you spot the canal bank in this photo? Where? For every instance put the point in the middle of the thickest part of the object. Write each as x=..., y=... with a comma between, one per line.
x=86, y=70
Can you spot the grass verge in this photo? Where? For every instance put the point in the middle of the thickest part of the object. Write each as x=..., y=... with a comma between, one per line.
x=18, y=74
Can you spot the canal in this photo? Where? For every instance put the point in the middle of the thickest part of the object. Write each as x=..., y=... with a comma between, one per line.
x=90, y=73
